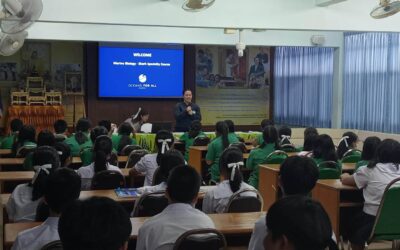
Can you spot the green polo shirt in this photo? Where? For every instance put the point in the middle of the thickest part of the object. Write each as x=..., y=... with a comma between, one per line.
x=258, y=156
x=8, y=141
x=117, y=138
x=75, y=146
x=189, y=142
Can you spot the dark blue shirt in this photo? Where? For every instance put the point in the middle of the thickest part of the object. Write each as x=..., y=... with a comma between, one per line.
x=182, y=117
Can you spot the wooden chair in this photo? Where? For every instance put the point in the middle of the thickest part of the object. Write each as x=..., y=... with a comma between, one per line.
x=150, y=204
x=54, y=245
x=107, y=179
x=243, y=204
x=200, y=239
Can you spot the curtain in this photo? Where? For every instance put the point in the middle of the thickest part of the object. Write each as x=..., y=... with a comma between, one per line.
x=371, y=93
x=303, y=78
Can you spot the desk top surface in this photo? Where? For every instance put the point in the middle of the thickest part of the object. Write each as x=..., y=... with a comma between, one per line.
x=75, y=160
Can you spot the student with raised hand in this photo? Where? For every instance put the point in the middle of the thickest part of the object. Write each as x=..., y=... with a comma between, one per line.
x=259, y=155
x=369, y=151
x=80, y=139
x=150, y=162
x=372, y=179
x=60, y=130
x=195, y=131
x=297, y=176
x=94, y=224
x=216, y=147
x=298, y=222
x=101, y=156
x=162, y=230
x=86, y=154
x=63, y=187
x=8, y=141
x=24, y=199
x=324, y=149
x=64, y=153
x=137, y=120
x=216, y=199
x=25, y=138
x=349, y=141
x=124, y=137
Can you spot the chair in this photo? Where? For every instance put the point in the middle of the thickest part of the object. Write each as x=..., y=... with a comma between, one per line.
x=150, y=204
x=329, y=170
x=135, y=156
x=239, y=145
x=387, y=226
x=351, y=156
x=129, y=148
x=201, y=141
x=207, y=238
x=288, y=148
x=54, y=245
x=107, y=179
x=36, y=90
x=25, y=150
x=276, y=157
x=244, y=204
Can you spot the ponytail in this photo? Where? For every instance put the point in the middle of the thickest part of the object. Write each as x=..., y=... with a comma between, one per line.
x=236, y=178
x=83, y=125
x=229, y=164
x=101, y=153
x=100, y=161
x=270, y=135
x=223, y=130
x=346, y=143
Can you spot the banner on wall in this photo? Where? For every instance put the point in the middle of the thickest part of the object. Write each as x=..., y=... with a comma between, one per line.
x=232, y=87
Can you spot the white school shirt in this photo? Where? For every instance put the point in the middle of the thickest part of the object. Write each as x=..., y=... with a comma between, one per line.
x=147, y=165
x=20, y=206
x=35, y=238
x=151, y=189
x=86, y=173
x=373, y=181
x=216, y=199
x=161, y=231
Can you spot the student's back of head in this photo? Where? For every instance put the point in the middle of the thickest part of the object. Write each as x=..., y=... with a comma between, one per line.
x=310, y=130
x=195, y=128
x=369, y=148
x=266, y=122
x=229, y=165
x=284, y=134
x=97, y=131
x=105, y=123
x=60, y=126
x=388, y=151
x=231, y=126
x=170, y=160
x=96, y=223
x=101, y=152
x=125, y=130
x=16, y=125
x=222, y=130
x=324, y=148
x=298, y=175
x=309, y=141
x=164, y=141
x=27, y=133
x=183, y=185
x=63, y=187
x=82, y=126
x=348, y=141
x=270, y=135
x=46, y=138
x=298, y=222
x=64, y=153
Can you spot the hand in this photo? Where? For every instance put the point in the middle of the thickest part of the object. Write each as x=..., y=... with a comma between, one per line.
x=189, y=108
x=343, y=176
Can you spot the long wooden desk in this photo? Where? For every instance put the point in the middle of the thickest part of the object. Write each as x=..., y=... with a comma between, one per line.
x=228, y=224
x=5, y=151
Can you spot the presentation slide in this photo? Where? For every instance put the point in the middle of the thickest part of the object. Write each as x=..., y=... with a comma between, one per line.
x=140, y=72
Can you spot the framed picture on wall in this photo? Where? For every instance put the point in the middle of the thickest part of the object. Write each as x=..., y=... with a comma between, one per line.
x=36, y=60
x=73, y=83
x=8, y=72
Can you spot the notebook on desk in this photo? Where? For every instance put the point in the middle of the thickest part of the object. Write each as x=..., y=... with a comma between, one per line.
x=126, y=192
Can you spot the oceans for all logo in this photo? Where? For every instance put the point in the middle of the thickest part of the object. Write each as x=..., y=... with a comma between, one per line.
x=142, y=78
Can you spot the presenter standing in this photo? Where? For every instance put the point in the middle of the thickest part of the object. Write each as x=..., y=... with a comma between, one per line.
x=185, y=112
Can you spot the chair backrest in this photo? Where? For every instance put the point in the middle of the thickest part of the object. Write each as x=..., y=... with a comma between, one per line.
x=25, y=150
x=351, y=156
x=242, y=204
x=201, y=141
x=200, y=239
x=329, y=170
x=239, y=145
x=129, y=148
x=108, y=179
x=54, y=245
x=150, y=204
x=135, y=156
x=387, y=226
x=276, y=157
x=288, y=148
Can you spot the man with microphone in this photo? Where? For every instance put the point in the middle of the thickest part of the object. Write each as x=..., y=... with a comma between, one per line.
x=185, y=112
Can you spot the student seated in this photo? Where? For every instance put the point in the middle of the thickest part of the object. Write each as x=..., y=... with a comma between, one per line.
x=8, y=141
x=216, y=147
x=297, y=176
x=45, y=138
x=63, y=186
x=80, y=139
x=86, y=154
x=324, y=149
x=284, y=133
x=298, y=222
x=124, y=137
x=150, y=162
x=64, y=152
x=216, y=199
x=94, y=224
x=25, y=138
x=259, y=139
x=24, y=199
x=231, y=128
x=195, y=131
x=308, y=145
x=373, y=179
x=369, y=151
x=259, y=155
x=137, y=120
x=60, y=130
x=162, y=230
x=168, y=162
x=102, y=151
x=349, y=141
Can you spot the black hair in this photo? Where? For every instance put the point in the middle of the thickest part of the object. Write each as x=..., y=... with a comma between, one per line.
x=97, y=223
x=309, y=141
x=101, y=153
x=63, y=186
x=60, y=126
x=105, y=123
x=184, y=90
x=388, y=151
x=195, y=128
x=284, y=131
x=298, y=175
x=42, y=156
x=302, y=221
x=342, y=147
x=324, y=148
x=270, y=135
x=222, y=130
x=125, y=130
x=27, y=133
x=46, y=138
x=64, y=152
x=16, y=125
x=266, y=122
x=142, y=113
x=231, y=126
x=231, y=155
x=310, y=130
x=163, y=135
x=169, y=161
x=369, y=148
x=97, y=131
x=82, y=126
x=183, y=184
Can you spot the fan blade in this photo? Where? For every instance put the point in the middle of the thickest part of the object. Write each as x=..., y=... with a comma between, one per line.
x=9, y=44
x=31, y=11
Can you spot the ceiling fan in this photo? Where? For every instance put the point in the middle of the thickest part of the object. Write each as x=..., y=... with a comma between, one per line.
x=386, y=8
x=197, y=5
